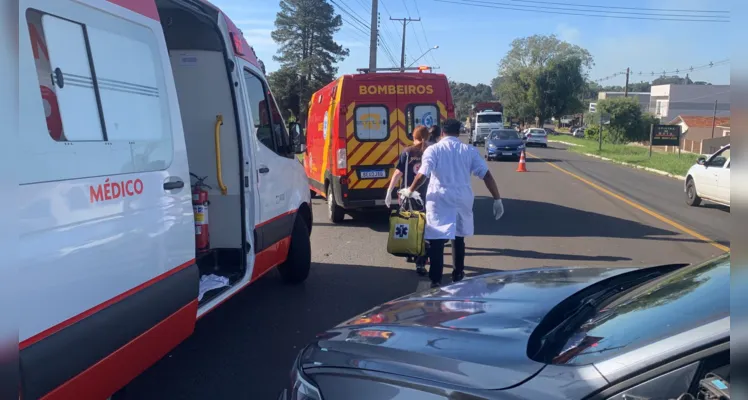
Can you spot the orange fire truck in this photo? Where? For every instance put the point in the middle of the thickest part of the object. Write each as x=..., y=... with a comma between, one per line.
x=357, y=126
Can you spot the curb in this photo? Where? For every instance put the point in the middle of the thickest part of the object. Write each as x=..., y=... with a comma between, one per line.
x=562, y=142
x=655, y=171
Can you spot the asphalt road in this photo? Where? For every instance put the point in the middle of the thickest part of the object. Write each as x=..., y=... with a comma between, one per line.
x=244, y=349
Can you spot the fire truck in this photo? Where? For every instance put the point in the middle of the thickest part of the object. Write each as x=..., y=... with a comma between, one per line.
x=357, y=127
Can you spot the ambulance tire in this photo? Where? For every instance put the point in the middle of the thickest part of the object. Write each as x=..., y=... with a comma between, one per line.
x=335, y=213
x=299, y=261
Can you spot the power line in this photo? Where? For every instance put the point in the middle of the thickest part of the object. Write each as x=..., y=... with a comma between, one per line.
x=622, y=8
x=406, y=8
x=604, y=14
x=666, y=72
x=398, y=36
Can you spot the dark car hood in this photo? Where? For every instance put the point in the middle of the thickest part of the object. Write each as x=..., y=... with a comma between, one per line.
x=506, y=142
x=473, y=333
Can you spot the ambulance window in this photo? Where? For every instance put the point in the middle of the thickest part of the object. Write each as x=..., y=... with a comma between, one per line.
x=279, y=128
x=95, y=84
x=68, y=93
x=421, y=114
x=258, y=105
x=372, y=123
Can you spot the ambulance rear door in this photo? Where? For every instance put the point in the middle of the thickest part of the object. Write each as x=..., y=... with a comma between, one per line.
x=374, y=145
x=425, y=103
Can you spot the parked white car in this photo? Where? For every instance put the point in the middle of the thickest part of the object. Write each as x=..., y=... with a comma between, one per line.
x=709, y=179
x=536, y=137
x=578, y=133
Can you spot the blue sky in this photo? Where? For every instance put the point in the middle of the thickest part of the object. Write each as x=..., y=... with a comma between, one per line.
x=472, y=40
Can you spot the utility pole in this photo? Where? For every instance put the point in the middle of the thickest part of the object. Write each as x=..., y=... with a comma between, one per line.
x=402, y=51
x=714, y=117
x=374, y=35
x=626, y=89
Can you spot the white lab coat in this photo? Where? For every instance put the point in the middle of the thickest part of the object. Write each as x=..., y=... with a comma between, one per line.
x=449, y=198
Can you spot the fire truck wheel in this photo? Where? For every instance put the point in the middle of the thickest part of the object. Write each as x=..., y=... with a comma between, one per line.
x=296, y=267
x=334, y=212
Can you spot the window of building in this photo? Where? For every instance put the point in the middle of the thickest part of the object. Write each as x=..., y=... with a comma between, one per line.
x=661, y=108
x=372, y=123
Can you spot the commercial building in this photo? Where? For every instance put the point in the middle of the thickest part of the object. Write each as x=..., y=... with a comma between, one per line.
x=669, y=101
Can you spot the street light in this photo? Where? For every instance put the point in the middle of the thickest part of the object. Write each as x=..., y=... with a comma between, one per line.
x=427, y=52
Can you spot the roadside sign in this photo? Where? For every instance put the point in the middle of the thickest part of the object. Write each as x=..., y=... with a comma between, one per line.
x=593, y=107
x=666, y=135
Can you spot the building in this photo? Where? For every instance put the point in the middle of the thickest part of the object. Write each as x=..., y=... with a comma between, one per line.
x=642, y=97
x=669, y=101
x=702, y=135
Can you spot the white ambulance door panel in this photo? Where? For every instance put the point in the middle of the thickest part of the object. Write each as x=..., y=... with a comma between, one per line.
x=99, y=218
x=268, y=171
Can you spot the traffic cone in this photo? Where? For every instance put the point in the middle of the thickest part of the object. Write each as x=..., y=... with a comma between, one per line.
x=521, y=167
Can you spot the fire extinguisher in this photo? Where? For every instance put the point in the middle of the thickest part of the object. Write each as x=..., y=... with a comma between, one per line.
x=200, y=205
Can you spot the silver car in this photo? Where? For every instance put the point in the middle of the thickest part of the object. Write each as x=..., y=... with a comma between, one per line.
x=549, y=333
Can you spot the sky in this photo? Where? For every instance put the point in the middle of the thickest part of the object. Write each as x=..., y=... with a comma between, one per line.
x=472, y=40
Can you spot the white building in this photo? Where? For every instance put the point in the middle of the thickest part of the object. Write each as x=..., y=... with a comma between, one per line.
x=669, y=101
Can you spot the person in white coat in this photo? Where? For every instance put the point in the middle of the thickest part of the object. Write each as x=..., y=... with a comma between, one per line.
x=449, y=198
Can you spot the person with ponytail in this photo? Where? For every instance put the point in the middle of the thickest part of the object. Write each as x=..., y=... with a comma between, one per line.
x=411, y=157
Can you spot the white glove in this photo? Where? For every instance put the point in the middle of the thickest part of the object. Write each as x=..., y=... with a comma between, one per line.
x=388, y=199
x=498, y=209
x=405, y=193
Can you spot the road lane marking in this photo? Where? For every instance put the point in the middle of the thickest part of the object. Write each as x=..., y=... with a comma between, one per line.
x=639, y=207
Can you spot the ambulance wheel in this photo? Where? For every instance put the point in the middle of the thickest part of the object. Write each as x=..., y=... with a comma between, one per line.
x=334, y=212
x=296, y=267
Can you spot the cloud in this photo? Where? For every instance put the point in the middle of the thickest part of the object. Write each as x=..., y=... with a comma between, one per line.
x=568, y=33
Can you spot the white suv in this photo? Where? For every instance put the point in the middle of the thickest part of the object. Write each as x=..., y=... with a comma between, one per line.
x=709, y=179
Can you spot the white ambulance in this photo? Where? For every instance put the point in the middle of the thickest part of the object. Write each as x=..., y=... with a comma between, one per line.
x=123, y=104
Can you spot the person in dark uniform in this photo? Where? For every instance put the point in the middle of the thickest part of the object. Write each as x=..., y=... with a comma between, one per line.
x=435, y=132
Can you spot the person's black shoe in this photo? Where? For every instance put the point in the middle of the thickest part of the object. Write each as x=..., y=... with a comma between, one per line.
x=421, y=270
x=435, y=285
x=458, y=276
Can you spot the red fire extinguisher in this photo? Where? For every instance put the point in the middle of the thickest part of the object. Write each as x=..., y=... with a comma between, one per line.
x=200, y=205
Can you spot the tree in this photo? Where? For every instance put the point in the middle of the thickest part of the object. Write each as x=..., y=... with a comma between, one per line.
x=626, y=121
x=284, y=83
x=543, y=76
x=464, y=95
x=672, y=80
x=304, y=30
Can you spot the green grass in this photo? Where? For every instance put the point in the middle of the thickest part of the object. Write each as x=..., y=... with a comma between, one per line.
x=668, y=162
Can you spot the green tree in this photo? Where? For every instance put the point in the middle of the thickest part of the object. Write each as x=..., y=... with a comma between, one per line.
x=543, y=76
x=672, y=80
x=285, y=86
x=464, y=95
x=626, y=121
x=304, y=31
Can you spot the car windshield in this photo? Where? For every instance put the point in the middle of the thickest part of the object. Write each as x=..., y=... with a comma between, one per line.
x=489, y=118
x=504, y=135
x=674, y=303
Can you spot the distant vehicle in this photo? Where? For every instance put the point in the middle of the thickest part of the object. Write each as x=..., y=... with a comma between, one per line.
x=536, y=137
x=550, y=131
x=546, y=333
x=578, y=133
x=485, y=122
x=504, y=143
x=709, y=179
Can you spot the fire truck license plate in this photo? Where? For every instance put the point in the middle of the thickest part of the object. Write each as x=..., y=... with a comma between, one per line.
x=373, y=174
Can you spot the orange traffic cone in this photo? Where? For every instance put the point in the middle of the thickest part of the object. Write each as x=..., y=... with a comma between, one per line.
x=521, y=167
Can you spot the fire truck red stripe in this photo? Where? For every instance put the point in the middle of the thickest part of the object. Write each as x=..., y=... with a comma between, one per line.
x=72, y=320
